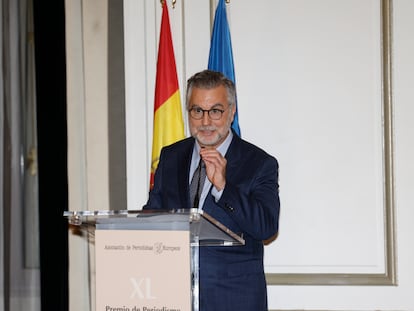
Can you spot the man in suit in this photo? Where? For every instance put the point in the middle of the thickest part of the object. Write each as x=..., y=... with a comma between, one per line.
x=241, y=191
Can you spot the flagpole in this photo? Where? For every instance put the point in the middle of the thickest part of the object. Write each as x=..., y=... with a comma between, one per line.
x=212, y=12
x=173, y=2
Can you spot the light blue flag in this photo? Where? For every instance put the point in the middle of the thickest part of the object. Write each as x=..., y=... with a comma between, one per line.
x=221, y=53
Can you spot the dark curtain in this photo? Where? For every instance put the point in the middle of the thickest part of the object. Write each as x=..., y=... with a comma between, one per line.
x=49, y=34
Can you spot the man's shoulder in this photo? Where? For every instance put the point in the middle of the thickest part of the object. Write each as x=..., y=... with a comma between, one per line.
x=247, y=147
x=181, y=144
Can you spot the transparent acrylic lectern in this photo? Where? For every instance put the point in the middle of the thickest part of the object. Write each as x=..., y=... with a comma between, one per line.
x=202, y=229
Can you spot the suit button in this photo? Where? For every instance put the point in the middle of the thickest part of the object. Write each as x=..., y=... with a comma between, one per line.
x=229, y=207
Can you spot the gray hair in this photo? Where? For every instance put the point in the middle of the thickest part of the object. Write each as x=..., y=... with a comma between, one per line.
x=209, y=79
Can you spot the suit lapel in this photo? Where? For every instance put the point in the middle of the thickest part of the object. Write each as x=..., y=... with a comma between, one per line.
x=233, y=155
x=184, y=163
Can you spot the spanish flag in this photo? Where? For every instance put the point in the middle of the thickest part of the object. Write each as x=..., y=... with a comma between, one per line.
x=168, y=118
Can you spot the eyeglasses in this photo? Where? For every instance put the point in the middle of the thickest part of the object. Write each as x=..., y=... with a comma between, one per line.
x=198, y=113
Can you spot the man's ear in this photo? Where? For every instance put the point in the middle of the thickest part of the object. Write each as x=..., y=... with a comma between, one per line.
x=233, y=108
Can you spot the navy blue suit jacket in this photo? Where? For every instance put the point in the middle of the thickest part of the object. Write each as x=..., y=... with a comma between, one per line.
x=231, y=278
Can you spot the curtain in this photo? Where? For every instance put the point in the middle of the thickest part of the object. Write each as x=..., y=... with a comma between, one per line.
x=19, y=238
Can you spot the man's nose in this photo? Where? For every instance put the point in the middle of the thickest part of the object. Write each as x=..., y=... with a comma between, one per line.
x=206, y=118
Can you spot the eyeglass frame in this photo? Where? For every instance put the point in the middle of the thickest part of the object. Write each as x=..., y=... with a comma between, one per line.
x=208, y=112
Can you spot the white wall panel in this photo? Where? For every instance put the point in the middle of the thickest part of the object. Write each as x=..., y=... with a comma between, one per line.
x=140, y=58
x=309, y=84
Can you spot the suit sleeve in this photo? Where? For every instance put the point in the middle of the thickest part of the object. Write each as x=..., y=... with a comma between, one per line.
x=155, y=197
x=253, y=201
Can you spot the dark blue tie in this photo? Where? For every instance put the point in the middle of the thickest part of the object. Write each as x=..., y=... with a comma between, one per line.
x=197, y=183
